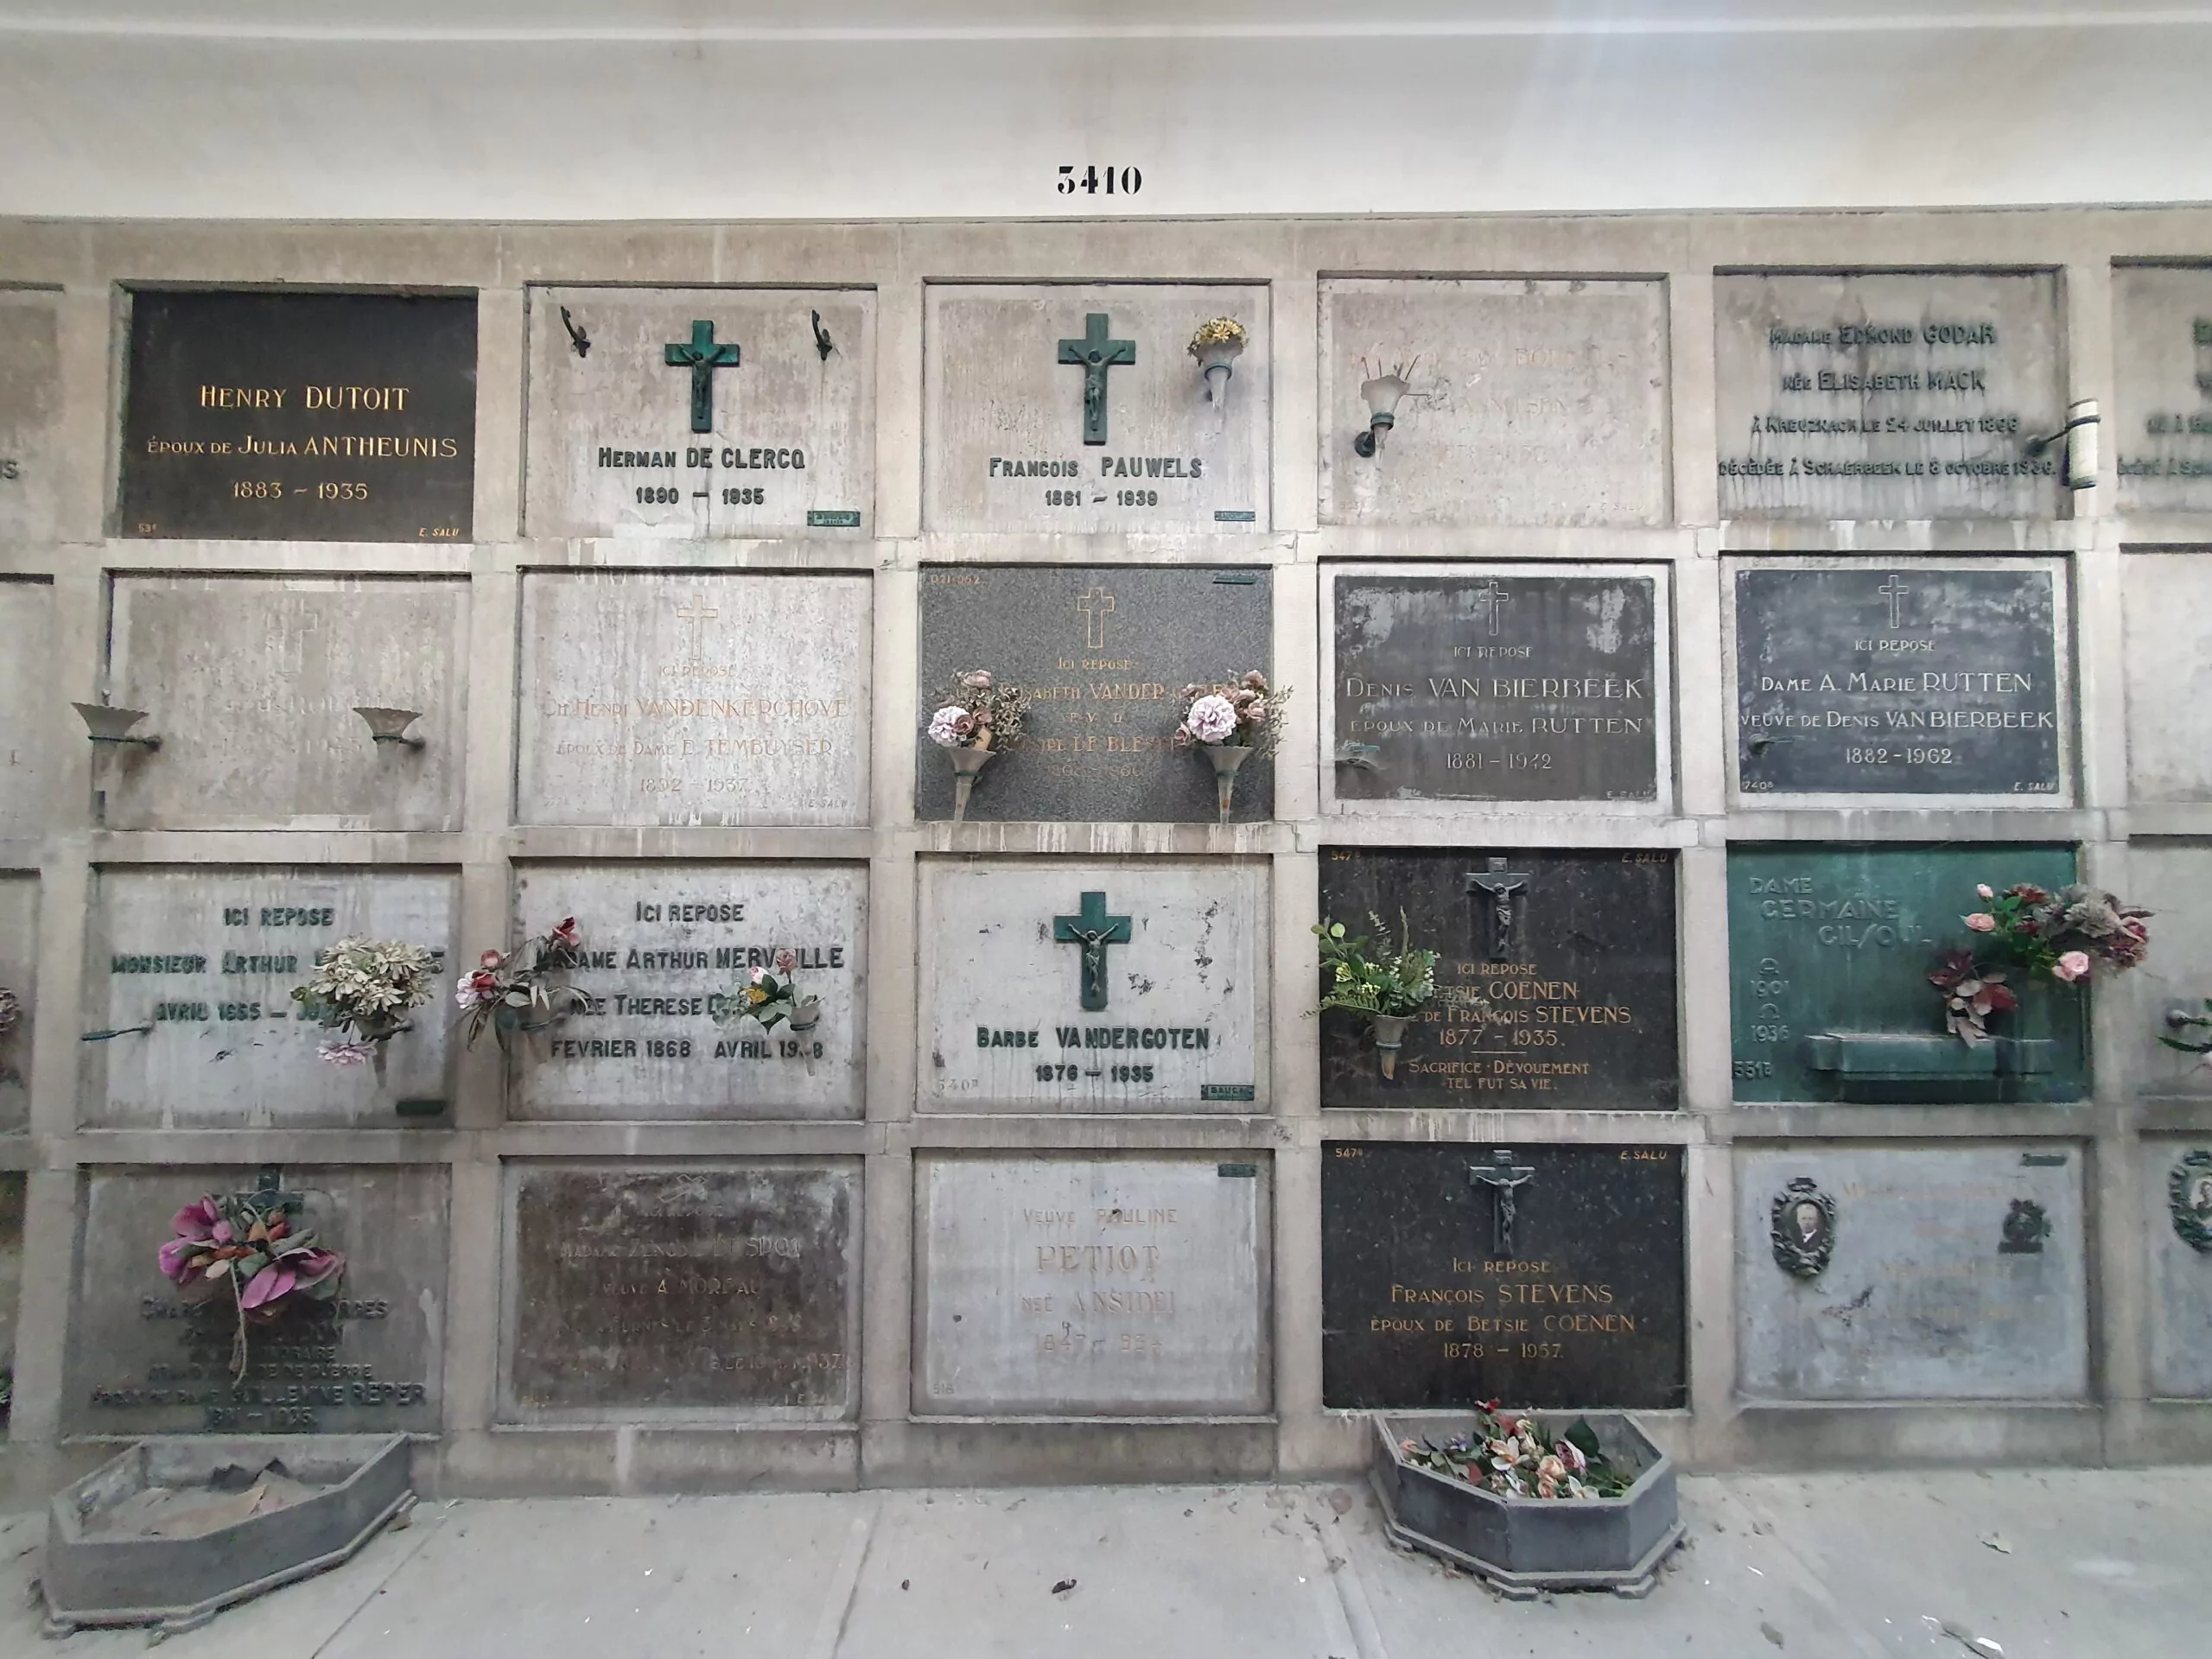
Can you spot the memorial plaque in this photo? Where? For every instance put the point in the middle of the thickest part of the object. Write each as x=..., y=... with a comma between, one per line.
x=2166, y=599
x=1888, y=394
x=252, y=683
x=684, y=1288
x=1554, y=976
x=2177, y=975
x=1104, y=653
x=666, y=948
x=144, y=1359
x=1129, y=985
x=1480, y=684
x=18, y=965
x=704, y=699
x=25, y=671
x=1951, y=1273
x=1543, y=1276
x=1067, y=1285
x=2176, y=1189
x=2161, y=433
x=30, y=413
x=189, y=1017
x=1063, y=407
x=1829, y=948
x=1854, y=677
x=701, y=412
x=301, y=416
x=1532, y=401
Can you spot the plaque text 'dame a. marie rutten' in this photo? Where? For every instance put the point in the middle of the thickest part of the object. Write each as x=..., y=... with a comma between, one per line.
x=301, y=416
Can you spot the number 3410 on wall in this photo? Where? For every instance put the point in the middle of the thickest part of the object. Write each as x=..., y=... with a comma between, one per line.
x=1095, y=180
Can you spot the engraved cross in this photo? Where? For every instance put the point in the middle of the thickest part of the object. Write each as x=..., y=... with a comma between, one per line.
x=1505, y=1177
x=1094, y=615
x=1894, y=591
x=1500, y=884
x=696, y=614
x=1096, y=354
x=1493, y=599
x=1094, y=930
x=702, y=356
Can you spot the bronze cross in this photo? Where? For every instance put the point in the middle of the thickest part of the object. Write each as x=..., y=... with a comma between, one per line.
x=1094, y=930
x=702, y=356
x=1096, y=354
x=1501, y=884
x=1503, y=1175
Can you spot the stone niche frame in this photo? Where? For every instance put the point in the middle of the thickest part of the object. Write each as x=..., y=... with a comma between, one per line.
x=19, y=896
x=1661, y=803
x=32, y=401
x=1460, y=425
x=2064, y=689
x=515, y=1174
x=26, y=697
x=1020, y=403
x=2166, y=604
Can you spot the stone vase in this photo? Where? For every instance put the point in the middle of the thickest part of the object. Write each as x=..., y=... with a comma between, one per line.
x=966, y=763
x=1226, y=757
x=1389, y=1037
x=1218, y=362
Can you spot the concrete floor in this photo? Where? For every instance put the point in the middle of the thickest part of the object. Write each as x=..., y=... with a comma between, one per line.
x=2067, y=1564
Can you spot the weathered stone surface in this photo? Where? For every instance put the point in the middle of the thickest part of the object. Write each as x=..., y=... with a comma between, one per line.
x=1888, y=394
x=1104, y=653
x=665, y=945
x=205, y=959
x=2167, y=604
x=694, y=699
x=12, y=1259
x=251, y=682
x=1829, y=948
x=300, y=416
x=144, y=1361
x=1004, y=444
x=1175, y=1020
x=2158, y=443
x=1533, y=402
x=724, y=1288
x=2178, y=972
x=30, y=413
x=1940, y=1286
x=2176, y=1185
x=1858, y=677
x=26, y=674
x=18, y=967
x=615, y=447
x=1069, y=1286
x=1474, y=682
x=1436, y=1291
x=1567, y=999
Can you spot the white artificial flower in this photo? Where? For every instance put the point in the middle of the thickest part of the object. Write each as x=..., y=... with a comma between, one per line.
x=946, y=724
x=1213, y=719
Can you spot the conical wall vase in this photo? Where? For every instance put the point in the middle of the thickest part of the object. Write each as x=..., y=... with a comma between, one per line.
x=1389, y=1037
x=966, y=763
x=1226, y=757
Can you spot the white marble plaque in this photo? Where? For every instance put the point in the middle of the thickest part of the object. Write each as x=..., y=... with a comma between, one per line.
x=713, y=698
x=2177, y=972
x=18, y=964
x=701, y=412
x=2166, y=599
x=251, y=682
x=2176, y=1187
x=1533, y=400
x=1133, y=985
x=1956, y=1273
x=2160, y=439
x=1024, y=432
x=30, y=413
x=26, y=672
x=1888, y=394
x=192, y=971
x=666, y=947
x=1071, y=1285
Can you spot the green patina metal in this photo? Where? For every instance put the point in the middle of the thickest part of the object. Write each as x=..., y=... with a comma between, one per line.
x=1094, y=930
x=1096, y=354
x=702, y=356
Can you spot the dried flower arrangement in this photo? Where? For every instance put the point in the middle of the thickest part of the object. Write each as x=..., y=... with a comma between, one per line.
x=250, y=1244
x=2063, y=937
x=364, y=989
x=1507, y=1455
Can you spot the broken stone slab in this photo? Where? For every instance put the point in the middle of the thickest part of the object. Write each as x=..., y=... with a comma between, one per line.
x=173, y=1530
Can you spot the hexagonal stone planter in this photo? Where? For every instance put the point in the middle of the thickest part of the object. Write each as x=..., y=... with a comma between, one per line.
x=102, y=1568
x=1524, y=1545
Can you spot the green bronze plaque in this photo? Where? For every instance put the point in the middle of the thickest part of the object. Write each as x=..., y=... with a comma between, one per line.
x=1830, y=947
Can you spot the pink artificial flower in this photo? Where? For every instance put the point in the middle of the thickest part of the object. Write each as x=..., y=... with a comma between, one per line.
x=1256, y=713
x=195, y=1221
x=267, y=1285
x=567, y=933
x=785, y=961
x=490, y=959
x=339, y=1054
x=1986, y=891
x=1982, y=922
x=2074, y=965
x=757, y=975
x=311, y=1267
x=174, y=1267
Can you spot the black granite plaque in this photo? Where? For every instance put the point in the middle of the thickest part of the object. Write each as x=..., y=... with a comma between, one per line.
x=1892, y=679
x=1555, y=978
x=1104, y=653
x=1483, y=686
x=715, y=1286
x=317, y=417
x=1543, y=1276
